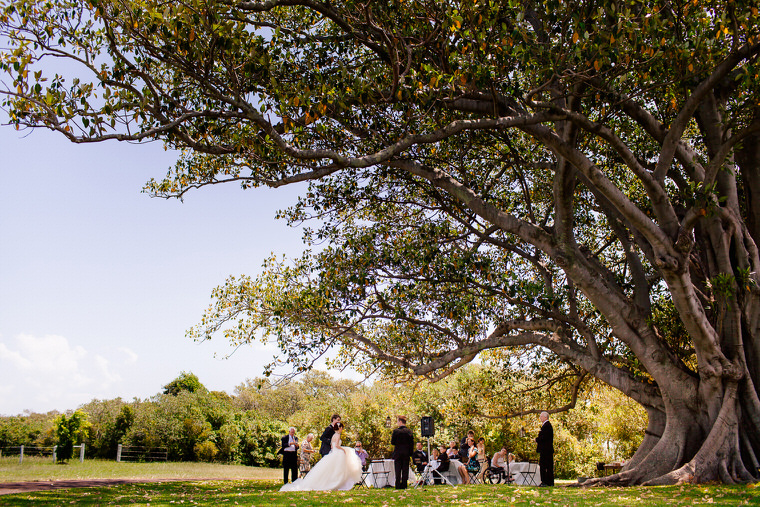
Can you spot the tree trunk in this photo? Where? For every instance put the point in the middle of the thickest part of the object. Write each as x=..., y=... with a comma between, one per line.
x=712, y=426
x=688, y=454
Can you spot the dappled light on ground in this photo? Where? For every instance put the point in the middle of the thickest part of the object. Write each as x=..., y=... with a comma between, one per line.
x=262, y=492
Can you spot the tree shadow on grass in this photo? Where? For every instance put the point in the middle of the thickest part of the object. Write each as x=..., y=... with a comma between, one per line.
x=154, y=493
x=260, y=493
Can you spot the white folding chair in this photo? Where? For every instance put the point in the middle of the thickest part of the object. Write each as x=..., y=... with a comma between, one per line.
x=429, y=476
x=380, y=469
x=366, y=472
x=529, y=473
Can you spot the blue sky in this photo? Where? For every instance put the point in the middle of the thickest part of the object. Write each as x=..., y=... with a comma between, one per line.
x=99, y=282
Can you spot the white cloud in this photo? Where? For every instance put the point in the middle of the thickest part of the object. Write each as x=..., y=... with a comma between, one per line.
x=131, y=356
x=50, y=373
x=13, y=358
x=106, y=371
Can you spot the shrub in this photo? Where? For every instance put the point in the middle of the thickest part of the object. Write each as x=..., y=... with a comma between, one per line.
x=67, y=430
x=205, y=451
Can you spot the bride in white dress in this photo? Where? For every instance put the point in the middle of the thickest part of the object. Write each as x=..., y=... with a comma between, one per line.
x=341, y=469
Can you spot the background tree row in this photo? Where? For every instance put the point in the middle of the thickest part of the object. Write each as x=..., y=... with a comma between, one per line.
x=202, y=425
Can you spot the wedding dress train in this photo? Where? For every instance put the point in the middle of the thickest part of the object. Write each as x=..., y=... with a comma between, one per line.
x=341, y=469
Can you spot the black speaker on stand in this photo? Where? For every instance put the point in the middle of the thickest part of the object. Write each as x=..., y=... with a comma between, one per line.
x=428, y=428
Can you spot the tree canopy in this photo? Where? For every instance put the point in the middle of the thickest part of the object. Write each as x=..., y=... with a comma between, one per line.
x=575, y=179
x=184, y=382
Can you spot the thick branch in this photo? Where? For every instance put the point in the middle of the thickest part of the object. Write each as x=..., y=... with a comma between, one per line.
x=565, y=408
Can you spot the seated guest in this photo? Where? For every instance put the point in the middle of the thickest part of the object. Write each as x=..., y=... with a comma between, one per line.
x=363, y=455
x=500, y=459
x=434, y=463
x=473, y=456
x=511, y=459
x=463, y=473
x=470, y=453
x=480, y=455
x=452, y=452
x=464, y=456
x=419, y=458
x=440, y=464
x=444, y=460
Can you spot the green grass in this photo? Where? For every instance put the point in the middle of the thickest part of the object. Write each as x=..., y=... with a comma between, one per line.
x=43, y=469
x=260, y=486
x=265, y=492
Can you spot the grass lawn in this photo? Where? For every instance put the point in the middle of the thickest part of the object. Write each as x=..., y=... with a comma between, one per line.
x=43, y=469
x=251, y=486
x=265, y=492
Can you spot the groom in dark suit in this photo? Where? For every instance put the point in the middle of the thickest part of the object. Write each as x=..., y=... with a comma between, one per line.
x=402, y=441
x=289, y=451
x=327, y=435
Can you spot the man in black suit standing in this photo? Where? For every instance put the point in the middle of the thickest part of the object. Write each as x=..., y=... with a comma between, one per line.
x=402, y=441
x=545, y=448
x=289, y=451
x=327, y=435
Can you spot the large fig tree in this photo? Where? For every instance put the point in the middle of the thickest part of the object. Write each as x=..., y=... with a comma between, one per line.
x=580, y=180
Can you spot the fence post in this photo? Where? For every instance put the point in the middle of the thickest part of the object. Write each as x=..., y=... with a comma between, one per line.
x=81, y=453
x=118, y=454
x=21, y=455
x=55, y=453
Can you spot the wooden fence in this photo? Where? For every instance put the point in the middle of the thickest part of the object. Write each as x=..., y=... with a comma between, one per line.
x=29, y=451
x=138, y=453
